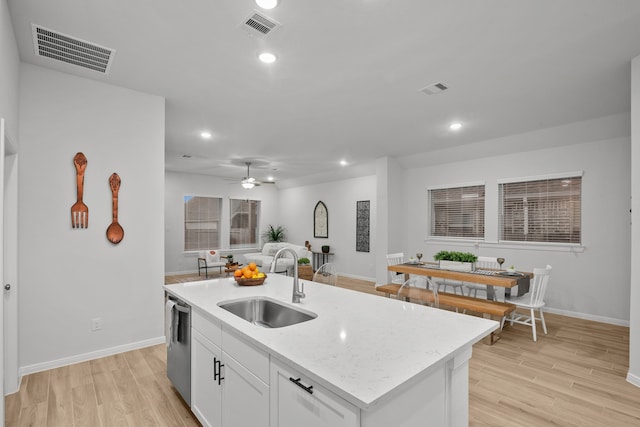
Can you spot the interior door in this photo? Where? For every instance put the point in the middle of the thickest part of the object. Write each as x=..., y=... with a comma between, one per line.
x=2, y=268
x=8, y=267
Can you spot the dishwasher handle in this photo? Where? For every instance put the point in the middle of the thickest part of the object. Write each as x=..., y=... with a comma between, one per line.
x=182, y=308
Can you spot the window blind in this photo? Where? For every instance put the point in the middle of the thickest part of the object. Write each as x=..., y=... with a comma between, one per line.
x=545, y=210
x=457, y=212
x=202, y=223
x=245, y=215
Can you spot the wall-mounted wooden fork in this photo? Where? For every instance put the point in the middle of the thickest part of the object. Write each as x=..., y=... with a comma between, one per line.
x=80, y=211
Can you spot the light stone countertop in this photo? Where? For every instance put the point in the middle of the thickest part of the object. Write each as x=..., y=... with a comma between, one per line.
x=362, y=347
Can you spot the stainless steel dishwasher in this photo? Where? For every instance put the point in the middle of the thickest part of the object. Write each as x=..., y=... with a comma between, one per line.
x=178, y=331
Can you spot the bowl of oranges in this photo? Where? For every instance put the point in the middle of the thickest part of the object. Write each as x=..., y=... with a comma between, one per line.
x=249, y=275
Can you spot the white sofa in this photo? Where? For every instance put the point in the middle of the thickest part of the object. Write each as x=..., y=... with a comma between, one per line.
x=285, y=262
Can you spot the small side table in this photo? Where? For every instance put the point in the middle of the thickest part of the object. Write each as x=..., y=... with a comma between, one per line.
x=231, y=268
x=317, y=256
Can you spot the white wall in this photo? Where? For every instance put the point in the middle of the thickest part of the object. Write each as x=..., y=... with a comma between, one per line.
x=593, y=284
x=9, y=74
x=178, y=185
x=340, y=197
x=390, y=214
x=69, y=276
x=634, y=297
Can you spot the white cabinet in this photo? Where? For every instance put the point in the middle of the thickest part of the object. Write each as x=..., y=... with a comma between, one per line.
x=206, y=393
x=246, y=397
x=296, y=401
x=245, y=400
x=229, y=378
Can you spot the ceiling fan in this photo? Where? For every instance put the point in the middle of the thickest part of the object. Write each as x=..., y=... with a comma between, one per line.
x=249, y=182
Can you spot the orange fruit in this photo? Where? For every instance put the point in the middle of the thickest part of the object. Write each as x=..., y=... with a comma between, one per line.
x=252, y=266
x=237, y=273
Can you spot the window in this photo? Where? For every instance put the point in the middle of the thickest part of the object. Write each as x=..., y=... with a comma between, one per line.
x=457, y=212
x=201, y=222
x=541, y=210
x=245, y=216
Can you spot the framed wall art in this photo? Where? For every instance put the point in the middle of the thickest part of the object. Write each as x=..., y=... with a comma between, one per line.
x=320, y=221
x=362, y=225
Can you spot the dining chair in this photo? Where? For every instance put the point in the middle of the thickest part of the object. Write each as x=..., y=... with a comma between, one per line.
x=455, y=285
x=326, y=274
x=482, y=263
x=395, y=259
x=421, y=292
x=532, y=301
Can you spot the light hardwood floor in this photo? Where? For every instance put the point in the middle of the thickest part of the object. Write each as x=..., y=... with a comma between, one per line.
x=574, y=376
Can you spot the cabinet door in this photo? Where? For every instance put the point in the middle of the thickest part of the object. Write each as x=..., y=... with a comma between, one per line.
x=246, y=397
x=293, y=406
x=206, y=394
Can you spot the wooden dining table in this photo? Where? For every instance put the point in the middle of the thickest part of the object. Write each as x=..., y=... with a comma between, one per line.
x=486, y=276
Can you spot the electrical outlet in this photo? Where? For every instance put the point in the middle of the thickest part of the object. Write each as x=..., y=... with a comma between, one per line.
x=96, y=324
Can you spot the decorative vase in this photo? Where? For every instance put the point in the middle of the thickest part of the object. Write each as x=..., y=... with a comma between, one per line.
x=325, y=249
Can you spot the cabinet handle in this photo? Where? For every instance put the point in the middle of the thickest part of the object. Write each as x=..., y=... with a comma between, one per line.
x=297, y=382
x=217, y=370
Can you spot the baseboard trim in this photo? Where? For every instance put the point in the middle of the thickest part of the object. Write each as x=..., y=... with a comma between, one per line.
x=633, y=379
x=39, y=367
x=585, y=316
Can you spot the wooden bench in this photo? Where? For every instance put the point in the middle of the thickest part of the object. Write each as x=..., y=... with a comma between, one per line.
x=493, y=308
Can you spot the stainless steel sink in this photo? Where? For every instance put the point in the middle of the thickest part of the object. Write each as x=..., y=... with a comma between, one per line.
x=266, y=312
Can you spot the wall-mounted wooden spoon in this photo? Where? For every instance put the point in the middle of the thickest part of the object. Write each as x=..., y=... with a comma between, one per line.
x=115, y=233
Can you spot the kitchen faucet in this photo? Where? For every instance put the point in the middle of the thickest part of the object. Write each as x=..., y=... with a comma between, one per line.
x=297, y=291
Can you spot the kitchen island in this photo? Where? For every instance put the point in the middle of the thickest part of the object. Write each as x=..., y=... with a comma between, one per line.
x=386, y=361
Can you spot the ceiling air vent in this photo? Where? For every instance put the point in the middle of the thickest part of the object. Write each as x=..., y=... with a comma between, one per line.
x=61, y=47
x=434, y=88
x=259, y=25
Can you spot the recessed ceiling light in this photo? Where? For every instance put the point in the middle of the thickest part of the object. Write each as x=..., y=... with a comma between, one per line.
x=343, y=163
x=267, y=58
x=205, y=135
x=267, y=4
x=455, y=126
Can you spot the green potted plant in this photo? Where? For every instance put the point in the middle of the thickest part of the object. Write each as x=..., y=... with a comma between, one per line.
x=274, y=234
x=304, y=269
x=458, y=261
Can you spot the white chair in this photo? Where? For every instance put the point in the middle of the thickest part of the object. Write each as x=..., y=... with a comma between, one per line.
x=482, y=263
x=209, y=259
x=455, y=285
x=326, y=274
x=532, y=300
x=395, y=259
x=399, y=278
x=413, y=290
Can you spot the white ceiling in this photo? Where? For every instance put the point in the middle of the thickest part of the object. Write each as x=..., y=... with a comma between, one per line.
x=346, y=85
